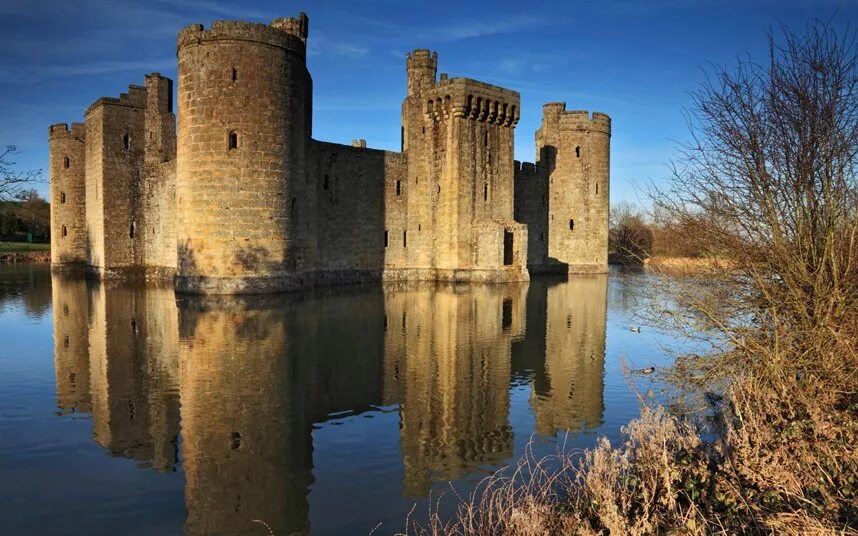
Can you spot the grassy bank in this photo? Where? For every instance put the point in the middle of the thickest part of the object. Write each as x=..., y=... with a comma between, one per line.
x=22, y=247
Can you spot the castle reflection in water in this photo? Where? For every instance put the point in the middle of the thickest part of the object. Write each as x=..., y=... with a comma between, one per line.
x=233, y=386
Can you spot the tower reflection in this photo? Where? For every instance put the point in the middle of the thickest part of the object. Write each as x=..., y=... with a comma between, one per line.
x=250, y=377
x=447, y=362
x=568, y=389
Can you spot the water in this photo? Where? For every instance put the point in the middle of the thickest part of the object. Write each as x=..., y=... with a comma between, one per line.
x=127, y=410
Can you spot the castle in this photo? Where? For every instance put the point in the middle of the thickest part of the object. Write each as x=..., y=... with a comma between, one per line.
x=239, y=198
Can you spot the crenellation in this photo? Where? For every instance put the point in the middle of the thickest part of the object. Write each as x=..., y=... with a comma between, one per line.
x=237, y=197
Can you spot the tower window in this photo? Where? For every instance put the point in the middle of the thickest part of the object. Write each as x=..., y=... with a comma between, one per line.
x=62, y=197
x=597, y=187
x=65, y=231
x=385, y=238
x=233, y=140
x=486, y=192
x=405, y=239
x=486, y=139
x=571, y=225
x=126, y=141
x=577, y=151
x=66, y=162
x=326, y=183
x=132, y=229
x=234, y=74
x=398, y=188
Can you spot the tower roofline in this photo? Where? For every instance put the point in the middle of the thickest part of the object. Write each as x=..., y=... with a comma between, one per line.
x=286, y=33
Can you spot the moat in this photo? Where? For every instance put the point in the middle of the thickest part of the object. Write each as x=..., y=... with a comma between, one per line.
x=129, y=410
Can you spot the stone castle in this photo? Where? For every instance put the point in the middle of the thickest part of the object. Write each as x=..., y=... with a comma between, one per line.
x=239, y=197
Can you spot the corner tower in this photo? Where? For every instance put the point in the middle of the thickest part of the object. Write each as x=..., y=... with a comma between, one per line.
x=458, y=138
x=244, y=202
x=68, y=195
x=574, y=147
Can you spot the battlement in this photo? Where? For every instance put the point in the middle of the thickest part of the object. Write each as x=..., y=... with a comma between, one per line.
x=474, y=100
x=287, y=33
x=135, y=98
x=524, y=168
x=159, y=92
x=361, y=144
x=421, y=57
x=298, y=26
x=61, y=130
x=421, y=66
x=575, y=119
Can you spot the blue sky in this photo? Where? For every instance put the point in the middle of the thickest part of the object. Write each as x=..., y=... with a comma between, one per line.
x=634, y=60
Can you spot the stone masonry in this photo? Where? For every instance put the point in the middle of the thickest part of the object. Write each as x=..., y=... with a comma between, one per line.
x=239, y=198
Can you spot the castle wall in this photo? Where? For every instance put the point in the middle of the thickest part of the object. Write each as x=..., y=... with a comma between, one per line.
x=531, y=209
x=115, y=142
x=357, y=204
x=243, y=200
x=68, y=195
x=243, y=193
x=458, y=137
x=575, y=148
x=157, y=225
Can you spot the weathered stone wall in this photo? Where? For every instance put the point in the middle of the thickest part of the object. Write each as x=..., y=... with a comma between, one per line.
x=115, y=142
x=575, y=147
x=531, y=209
x=130, y=182
x=458, y=138
x=157, y=225
x=244, y=125
x=357, y=203
x=68, y=195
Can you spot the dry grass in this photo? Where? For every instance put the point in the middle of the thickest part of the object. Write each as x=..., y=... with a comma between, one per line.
x=773, y=471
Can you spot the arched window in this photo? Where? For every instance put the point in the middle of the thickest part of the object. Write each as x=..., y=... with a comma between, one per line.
x=232, y=142
x=234, y=74
x=577, y=151
x=62, y=197
x=66, y=162
x=126, y=141
x=571, y=225
x=65, y=231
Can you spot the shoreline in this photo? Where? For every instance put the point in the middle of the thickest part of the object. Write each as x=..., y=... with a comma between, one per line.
x=25, y=257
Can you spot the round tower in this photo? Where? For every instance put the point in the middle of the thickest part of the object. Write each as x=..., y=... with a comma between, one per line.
x=244, y=101
x=68, y=195
x=576, y=146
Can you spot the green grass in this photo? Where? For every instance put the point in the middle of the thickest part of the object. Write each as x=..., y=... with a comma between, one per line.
x=21, y=247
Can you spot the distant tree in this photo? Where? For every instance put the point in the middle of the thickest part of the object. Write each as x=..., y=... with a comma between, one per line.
x=630, y=237
x=13, y=181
